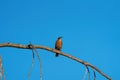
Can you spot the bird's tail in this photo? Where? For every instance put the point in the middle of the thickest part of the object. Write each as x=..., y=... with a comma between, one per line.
x=57, y=54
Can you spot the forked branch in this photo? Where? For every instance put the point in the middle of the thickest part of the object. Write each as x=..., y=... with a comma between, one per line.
x=55, y=51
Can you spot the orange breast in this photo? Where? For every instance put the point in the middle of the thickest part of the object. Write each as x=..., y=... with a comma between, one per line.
x=58, y=44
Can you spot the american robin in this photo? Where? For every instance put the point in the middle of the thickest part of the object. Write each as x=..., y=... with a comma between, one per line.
x=58, y=45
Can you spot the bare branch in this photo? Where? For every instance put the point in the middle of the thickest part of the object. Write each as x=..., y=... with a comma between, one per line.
x=85, y=74
x=40, y=63
x=94, y=74
x=88, y=72
x=32, y=65
x=34, y=49
x=55, y=51
x=30, y=72
x=2, y=73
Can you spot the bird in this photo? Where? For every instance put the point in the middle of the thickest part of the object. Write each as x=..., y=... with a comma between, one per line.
x=58, y=45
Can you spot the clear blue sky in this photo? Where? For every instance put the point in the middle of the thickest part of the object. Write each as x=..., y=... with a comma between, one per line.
x=90, y=30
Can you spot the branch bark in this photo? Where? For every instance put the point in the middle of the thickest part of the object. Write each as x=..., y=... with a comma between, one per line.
x=55, y=51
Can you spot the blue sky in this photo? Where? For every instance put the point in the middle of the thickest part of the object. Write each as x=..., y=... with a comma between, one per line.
x=90, y=30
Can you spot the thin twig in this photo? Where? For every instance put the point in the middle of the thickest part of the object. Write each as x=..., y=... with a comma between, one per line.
x=32, y=65
x=40, y=63
x=88, y=72
x=2, y=70
x=85, y=74
x=94, y=74
x=30, y=72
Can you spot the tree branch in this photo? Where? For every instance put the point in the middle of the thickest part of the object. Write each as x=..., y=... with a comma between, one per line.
x=88, y=72
x=85, y=74
x=55, y=51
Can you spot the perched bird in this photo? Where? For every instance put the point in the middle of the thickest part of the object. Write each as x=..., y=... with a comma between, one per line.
x=58, y=45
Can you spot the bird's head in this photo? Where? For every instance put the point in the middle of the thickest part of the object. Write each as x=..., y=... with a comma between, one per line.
x=60, y=37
